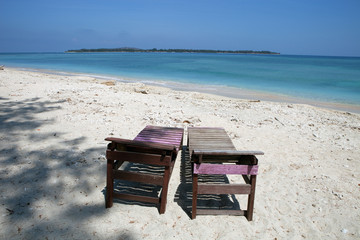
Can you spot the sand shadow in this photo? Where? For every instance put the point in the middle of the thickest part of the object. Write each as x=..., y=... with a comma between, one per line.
x=36, y=179
x=183, y=194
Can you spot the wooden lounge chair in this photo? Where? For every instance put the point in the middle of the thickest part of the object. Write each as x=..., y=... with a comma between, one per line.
x=209, y=149
x=157, y=146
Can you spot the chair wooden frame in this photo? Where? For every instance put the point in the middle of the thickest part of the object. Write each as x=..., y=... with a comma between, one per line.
x=154, y=145
x=209, y=149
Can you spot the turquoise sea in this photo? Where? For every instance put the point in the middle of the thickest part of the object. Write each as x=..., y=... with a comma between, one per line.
x=328, y=79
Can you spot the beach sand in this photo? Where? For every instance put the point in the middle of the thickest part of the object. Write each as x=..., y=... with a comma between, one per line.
x=53, y=168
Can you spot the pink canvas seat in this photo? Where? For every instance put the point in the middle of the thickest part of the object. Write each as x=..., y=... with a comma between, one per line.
x=156, y=146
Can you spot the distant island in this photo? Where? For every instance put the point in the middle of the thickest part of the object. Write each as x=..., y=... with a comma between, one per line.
x=127, y=49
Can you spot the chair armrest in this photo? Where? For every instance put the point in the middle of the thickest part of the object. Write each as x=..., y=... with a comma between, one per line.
x=226, y=152
x=225, y=156
x=142, y=144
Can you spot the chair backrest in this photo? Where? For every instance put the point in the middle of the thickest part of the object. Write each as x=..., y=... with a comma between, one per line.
x=161, y=135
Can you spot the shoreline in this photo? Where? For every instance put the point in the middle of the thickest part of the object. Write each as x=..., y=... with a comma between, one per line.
x=225, y=91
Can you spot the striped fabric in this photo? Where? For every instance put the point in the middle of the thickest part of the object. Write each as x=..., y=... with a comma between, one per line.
x=162, y=135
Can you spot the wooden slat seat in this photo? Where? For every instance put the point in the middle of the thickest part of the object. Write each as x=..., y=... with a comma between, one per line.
x=154, y=145
x=213, y=153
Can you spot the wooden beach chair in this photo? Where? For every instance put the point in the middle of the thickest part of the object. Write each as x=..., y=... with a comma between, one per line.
x=154, y=146
x=213, y=153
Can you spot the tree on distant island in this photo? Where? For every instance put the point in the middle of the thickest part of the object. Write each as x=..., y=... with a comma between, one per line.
x=128, y=49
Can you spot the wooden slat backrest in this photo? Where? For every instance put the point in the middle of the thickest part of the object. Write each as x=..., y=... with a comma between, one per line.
x=153, y=138
x=215, y=145
x=209, y=139
x=161, y=135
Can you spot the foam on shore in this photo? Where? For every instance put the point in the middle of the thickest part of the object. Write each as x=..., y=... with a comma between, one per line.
x=232, y=92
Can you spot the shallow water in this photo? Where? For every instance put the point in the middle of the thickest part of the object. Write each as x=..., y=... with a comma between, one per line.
x=325, y=79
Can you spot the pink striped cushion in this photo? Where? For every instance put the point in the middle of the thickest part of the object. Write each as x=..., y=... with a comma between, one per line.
x=163, y=135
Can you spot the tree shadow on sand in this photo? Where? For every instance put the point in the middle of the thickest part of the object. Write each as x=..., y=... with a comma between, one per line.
x=46, y=178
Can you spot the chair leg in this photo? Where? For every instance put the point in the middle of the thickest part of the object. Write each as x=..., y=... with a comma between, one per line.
x=194, y=196
x=251, y=198
x=163, y=197
x=109, y=184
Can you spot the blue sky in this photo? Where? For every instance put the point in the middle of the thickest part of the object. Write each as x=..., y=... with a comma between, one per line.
x=306, y=27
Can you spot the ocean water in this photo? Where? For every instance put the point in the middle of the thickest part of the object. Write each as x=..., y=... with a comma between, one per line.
x=329, y=79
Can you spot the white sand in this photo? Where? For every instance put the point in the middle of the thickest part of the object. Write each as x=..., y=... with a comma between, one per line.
x=52, y=166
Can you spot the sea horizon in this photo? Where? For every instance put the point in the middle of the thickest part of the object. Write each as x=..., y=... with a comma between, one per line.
x=281, y=54
x=330, y=82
